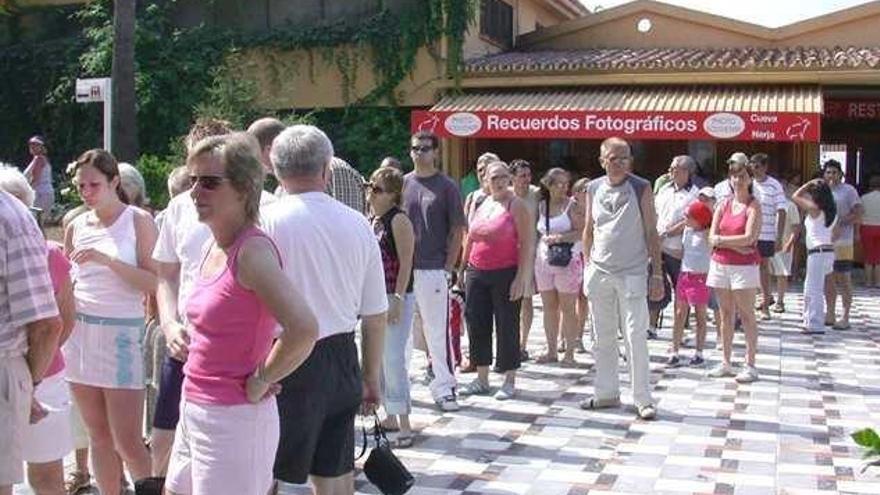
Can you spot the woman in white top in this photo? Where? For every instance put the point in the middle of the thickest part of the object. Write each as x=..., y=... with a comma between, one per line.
x=817, y=201
x=39, y=174
x=110, y=248
x=870, y=232
x=560, y=225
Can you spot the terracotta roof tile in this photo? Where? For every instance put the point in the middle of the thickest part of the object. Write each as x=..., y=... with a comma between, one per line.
x=679, y=59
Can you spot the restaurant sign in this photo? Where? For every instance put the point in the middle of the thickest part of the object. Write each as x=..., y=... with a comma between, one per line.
x=852, y=109
x=599, y=124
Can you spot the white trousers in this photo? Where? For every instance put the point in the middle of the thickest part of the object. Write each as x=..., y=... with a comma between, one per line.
x=818, y=266
x=617, y=300
x=432, y=297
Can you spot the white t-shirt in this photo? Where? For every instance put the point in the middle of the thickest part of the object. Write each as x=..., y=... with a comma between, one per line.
x=723, y=189
x=771, y=196
x=697, y=253
x=331, y=255
x=182, y=239
x=871, y=204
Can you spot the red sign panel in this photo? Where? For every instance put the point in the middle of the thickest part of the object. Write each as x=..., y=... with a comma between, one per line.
x=852, y=109
x=588, y=124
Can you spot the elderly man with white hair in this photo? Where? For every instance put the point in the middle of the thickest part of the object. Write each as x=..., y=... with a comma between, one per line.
x=671, y=203
x=330, y=251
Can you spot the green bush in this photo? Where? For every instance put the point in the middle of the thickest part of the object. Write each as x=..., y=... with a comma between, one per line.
x=155, y=170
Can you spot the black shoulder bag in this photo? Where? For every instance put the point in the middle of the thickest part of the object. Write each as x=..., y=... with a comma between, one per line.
x=558, y=254
x=382, y=467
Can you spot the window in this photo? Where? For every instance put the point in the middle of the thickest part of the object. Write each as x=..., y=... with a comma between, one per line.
x=496, y=22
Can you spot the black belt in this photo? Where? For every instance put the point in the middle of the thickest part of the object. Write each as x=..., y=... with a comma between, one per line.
x=820, y=250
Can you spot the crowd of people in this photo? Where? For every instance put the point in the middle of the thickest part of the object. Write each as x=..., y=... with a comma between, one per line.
x=259, y=294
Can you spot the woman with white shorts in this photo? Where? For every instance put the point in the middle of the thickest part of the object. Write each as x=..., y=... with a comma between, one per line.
x=733, y=270
x=110, y=247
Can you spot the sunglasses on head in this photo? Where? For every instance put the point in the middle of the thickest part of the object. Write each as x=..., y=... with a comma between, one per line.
x=421, y=149
x=209, y=182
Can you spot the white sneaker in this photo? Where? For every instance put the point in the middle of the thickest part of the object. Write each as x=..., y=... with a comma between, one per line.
x=721, y=371
x=506, y=392
x=748, y=375
x=475, y=387
x=448, y=404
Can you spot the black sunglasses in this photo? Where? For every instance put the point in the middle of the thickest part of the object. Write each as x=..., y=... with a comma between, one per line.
x=421, y=149
x=209, y=182
x=374, y=188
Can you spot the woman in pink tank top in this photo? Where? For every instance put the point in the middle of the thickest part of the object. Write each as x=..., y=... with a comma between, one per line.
x=498, y=252
x=733, y=270
x=227, y=436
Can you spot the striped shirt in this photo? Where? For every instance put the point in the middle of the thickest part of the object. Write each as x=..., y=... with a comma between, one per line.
x=26, y=292
x=346, y=185
x=772, y=198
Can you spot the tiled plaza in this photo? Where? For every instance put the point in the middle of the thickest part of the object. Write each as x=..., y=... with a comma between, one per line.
x=788, y=433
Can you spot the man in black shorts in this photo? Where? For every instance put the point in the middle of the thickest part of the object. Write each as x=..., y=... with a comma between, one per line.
x=330, y=252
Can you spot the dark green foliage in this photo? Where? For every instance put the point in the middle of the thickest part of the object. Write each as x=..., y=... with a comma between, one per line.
x=181, y=74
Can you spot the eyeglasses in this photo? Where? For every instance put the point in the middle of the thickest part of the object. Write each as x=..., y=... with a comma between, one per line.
x=617, y=159
x=421, y=149
x=209, y=182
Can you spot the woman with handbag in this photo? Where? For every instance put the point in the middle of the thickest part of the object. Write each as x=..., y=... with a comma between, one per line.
x=396, y=239
x=498, y=251
x=558, y=265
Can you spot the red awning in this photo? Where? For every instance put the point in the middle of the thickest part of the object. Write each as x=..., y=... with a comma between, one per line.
x=699, y=113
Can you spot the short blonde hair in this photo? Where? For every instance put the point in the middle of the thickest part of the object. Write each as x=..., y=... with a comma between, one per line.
x=239, y=153
x=15, y=183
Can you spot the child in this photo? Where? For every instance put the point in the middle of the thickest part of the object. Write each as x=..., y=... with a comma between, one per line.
x=691, y=289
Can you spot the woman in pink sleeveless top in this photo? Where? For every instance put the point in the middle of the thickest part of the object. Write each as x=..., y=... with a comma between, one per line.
x=228, y=431
x=733, y=270
x=497, y=251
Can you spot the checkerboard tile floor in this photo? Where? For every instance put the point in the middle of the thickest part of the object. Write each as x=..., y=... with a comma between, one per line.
x=787, y=433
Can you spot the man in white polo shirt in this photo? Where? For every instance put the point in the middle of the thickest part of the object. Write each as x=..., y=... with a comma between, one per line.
x=329, y=251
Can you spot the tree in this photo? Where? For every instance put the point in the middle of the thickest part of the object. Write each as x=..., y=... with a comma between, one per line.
x=125, y=145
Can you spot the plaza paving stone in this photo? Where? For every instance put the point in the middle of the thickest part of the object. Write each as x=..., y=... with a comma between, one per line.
x=787, y=433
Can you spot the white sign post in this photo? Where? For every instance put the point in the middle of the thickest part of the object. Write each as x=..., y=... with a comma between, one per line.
x=98, y=90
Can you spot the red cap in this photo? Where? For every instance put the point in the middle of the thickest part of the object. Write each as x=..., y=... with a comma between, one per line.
x=700, y=212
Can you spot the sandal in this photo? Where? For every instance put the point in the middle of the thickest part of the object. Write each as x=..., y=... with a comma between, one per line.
x=547, y=359
x=841, y=326
x=778, y=308
x=568, y=363
x=76, y=482
x=402, y=442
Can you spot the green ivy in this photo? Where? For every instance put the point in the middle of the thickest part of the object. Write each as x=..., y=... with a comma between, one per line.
x=185, y=73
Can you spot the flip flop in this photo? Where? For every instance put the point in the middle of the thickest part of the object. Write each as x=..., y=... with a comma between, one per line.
x=402, y=442
x=841, y=326
x=547, y=359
